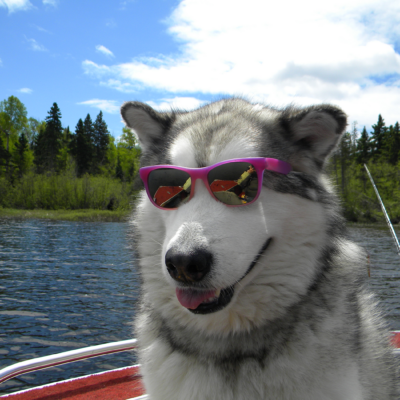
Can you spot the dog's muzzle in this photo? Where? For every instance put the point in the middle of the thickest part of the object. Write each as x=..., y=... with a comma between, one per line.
x=190, y=269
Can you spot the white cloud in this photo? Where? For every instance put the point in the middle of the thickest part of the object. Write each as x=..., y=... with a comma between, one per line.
x=16, y=5
x=277, y=52
x=95, y=70
x=180, y=103
x=108, y=106
x=35, y=46
x=105, y=51
x=25, y=90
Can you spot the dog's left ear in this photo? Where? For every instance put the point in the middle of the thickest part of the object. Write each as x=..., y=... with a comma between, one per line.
x=314, y=133
x=149, y=125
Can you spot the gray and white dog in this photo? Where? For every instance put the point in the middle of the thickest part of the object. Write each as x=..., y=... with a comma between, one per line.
x=264, y=301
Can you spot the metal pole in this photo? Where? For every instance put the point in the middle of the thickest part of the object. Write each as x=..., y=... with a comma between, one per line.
x=385, y=213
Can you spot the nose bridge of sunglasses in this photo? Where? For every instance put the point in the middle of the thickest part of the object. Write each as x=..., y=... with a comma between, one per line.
x=200, y=185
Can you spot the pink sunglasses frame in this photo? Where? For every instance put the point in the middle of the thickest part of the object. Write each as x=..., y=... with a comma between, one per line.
x=260, y=164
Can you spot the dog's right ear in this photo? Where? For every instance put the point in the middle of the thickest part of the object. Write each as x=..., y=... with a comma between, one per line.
x=148, y=124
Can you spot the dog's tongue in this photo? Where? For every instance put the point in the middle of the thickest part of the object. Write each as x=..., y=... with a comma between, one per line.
x=191, y=298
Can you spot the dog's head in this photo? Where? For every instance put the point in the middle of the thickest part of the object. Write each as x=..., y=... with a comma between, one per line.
x=225, y=268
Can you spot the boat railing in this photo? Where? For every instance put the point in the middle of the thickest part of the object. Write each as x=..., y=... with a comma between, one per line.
x=36, y=364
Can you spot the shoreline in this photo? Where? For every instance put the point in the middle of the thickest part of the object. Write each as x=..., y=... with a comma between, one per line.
x=92, y=215
x=84, y=215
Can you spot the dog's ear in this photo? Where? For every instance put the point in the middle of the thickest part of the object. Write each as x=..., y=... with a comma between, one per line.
x=148, y=124
x=314, y=133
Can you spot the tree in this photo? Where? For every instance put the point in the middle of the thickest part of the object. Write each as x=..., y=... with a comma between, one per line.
x=64, y=154
x=89, y=137
x=118, y=170
x=39, y=149
x=13, y=119
x=392, y=148
x=20, y=157
x=378, y=136
x=83, y=148
x=128, y=155
x=53, y=136
x=363, y=149
x=4, y=154
x=31, y=130
x=100, y=142
x=50, y=142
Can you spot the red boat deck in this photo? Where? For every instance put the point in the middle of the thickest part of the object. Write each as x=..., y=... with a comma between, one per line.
x=121, y=384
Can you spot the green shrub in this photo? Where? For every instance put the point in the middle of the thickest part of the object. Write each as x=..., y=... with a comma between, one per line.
x=66, y=191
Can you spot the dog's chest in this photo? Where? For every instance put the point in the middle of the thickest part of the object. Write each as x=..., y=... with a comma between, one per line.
x=173, y=375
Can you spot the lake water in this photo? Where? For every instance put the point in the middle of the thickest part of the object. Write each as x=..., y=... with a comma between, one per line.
x=66, y=285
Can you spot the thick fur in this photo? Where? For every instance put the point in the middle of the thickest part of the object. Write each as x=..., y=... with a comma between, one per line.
x=302, y=324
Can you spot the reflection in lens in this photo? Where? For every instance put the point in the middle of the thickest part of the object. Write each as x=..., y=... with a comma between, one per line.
x=234, y=183
x=169, y=188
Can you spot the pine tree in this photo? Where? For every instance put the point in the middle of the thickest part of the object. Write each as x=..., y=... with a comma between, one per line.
x=392, y=148
x=378, y=136
x=89, y=138
x=51, y=142
x=363, y=150
x=39, y=150
x=100, y=142
x=83, y=149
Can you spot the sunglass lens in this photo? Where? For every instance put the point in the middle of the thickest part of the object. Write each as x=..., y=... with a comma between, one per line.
x=169, y=187
x=234, y=183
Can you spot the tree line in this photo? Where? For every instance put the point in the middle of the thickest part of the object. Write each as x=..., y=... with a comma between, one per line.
x=380, y=151
x=37, y=151
x=46, y=165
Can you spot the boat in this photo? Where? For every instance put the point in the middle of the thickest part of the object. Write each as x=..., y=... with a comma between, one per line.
x=118, y=384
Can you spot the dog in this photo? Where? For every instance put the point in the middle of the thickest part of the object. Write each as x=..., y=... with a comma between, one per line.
x=250, y=287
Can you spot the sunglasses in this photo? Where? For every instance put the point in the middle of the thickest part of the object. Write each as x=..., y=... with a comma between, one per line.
x=235, y=182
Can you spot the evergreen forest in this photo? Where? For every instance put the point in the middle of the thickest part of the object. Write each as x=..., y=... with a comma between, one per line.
x=380, y=151
x=44, y=165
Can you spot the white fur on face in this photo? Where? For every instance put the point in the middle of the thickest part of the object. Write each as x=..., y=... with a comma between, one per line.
x=234, y=236
x=239, y=148
x=182, y=153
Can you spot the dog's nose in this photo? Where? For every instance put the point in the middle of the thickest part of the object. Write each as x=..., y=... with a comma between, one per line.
x=192, y=267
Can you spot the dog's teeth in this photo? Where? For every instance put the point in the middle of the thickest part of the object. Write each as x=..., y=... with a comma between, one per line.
x=217, y=293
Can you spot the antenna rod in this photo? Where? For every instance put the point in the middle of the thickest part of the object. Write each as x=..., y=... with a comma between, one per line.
x=385, y=213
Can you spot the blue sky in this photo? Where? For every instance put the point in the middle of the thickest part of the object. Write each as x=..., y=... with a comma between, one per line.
x=89, y=55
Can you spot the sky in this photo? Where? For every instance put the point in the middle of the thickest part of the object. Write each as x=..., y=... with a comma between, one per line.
x=92, y=55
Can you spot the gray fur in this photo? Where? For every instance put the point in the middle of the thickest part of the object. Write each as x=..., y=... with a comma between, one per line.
x=332, y=324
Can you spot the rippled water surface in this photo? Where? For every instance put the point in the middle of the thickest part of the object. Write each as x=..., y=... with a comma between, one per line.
x=384, y=268
x=63, y=285
x=66, y=285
